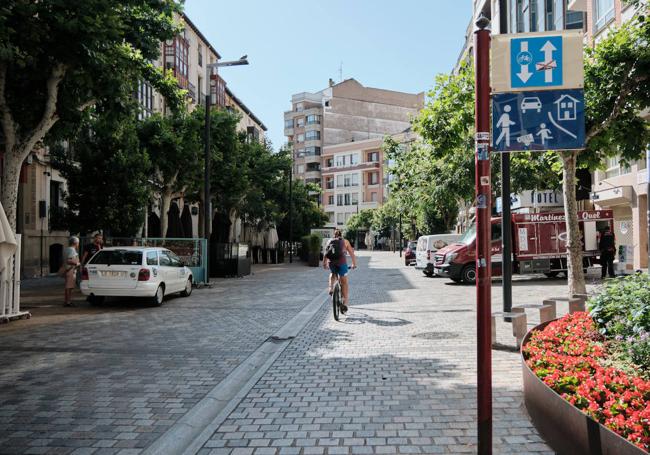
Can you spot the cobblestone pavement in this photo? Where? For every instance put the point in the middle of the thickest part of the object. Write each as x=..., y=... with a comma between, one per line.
x=112, y=379
x=397, y=375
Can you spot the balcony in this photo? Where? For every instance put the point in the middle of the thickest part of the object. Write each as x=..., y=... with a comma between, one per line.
x=288, y=131
x=307, y=97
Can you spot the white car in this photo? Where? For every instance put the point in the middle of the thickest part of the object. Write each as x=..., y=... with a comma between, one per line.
x=427, y=246
x=135, y=272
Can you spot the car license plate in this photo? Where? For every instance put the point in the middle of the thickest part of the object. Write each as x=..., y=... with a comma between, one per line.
x=113, y=274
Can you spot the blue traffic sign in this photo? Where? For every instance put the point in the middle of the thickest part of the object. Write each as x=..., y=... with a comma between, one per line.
x=536, y=61
x=540, y=120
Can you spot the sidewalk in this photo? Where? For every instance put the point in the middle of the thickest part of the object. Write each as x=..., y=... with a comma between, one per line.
x=397, y=375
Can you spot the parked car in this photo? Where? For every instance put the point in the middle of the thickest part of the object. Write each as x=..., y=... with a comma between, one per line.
x=144, y=272
x=427, y=246
x=409, y=252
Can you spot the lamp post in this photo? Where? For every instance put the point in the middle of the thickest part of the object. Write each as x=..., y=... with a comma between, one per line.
x=291, y=212
x=401, y=242
x=207, y=203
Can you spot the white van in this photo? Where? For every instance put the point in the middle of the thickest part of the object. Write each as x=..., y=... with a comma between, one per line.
x=427, y=246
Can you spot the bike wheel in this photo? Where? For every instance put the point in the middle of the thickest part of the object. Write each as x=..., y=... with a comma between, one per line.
x=336, y=301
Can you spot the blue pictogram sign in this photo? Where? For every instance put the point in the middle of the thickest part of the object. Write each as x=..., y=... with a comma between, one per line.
x=540, y=120
x=536, y=61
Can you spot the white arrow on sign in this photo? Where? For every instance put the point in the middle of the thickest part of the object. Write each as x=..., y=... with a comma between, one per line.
x=549, y=63
x=524, y=74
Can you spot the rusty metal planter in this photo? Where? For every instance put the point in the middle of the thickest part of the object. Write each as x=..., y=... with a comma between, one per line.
x=564, y=427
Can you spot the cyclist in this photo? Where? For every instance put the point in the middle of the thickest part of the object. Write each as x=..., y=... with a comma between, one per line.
x=334, y=258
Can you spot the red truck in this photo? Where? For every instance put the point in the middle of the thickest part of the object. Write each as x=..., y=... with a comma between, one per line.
x=538, y=245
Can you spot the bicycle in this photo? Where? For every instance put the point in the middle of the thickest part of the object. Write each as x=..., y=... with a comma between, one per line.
x=337, y=298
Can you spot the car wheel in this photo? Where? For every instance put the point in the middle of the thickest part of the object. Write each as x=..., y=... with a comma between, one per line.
x=159, y=296
x=188, y=288
x=428, y=273
x=469, y=274
x=96, y=299
x=551, y=274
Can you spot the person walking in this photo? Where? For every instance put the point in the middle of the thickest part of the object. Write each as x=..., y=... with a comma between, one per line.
x=70, y=265
x=607, y=247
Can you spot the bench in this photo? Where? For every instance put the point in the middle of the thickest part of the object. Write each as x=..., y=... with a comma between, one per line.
x=547, y=309
x=576, y=303
x=519, y=325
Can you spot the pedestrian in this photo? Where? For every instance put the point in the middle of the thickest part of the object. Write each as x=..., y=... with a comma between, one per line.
x=607, y=247
x=92, y=248
x=70, y=265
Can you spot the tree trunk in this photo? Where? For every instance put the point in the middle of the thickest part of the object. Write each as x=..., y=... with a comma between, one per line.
x=10, y=178
x=165, y=204
x=576, y=276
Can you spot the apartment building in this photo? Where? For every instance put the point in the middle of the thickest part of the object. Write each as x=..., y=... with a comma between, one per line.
x=253, y=126
x=343, y=113
x=620, y=187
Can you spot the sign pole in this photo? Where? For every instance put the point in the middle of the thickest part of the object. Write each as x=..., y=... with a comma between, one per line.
x=506, y=233
x=483, y=228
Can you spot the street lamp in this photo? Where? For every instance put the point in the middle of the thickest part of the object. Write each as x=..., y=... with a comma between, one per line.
x=207, y=209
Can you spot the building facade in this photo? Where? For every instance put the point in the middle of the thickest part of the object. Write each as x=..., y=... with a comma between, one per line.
x=343, y=113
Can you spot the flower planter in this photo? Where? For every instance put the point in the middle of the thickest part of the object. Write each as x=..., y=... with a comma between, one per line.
x=564, y=427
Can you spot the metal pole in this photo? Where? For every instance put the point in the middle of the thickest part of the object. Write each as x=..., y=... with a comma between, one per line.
x=291, y=211
x=483, y=263
x=506, y=233
x=207, y=204
x=356, y=235
x=401, y=242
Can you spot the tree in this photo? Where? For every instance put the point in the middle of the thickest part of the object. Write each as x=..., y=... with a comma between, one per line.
x=107, y=174
x=617, y=90
x=57, y=59
x=434, y=176
x=174, y=146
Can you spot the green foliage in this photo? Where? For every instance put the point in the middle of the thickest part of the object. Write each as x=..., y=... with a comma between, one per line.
x=640, y=353
x=103, y=46
x=623, y=307
x=107, y=177
x=617, y=91
x=362, y=220
x=435, y=175
x=175, y=147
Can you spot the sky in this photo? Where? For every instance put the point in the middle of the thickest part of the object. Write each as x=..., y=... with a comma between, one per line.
x=295, y=46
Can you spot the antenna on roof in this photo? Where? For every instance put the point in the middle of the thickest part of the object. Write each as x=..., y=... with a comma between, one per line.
x=341, y=72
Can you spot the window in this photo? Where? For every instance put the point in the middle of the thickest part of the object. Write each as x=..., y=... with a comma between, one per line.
x=330, y=199
x=558, y=14
x=496, y=232
x=354, y=159
x=329, y=162
x=373, y=196
x=373, y=178
x=152, y=258
x=340, y=160
x=177, y=59
x=330, y=217
x=340, y=219
x=312, y=135
x=117, y=257
x=312, y=151
x=313, y=119
x=311, y=167
x=200, y=55
x=550, y=17
x=537, y=16
x=574, y=20
x=165, y=260
x=299, y=107
x=373, y=157
x=339, y=199
x=300, y=138
x=301, y=169
x=145, y=99
x=300, y=122
x=347, y=198
x=329, y=185
x=288, y=123
x=354, y=198
x=615, y=167
x=252, y=133
x=300, y=153
x=603, y=13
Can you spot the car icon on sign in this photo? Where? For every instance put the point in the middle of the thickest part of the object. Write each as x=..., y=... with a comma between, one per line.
x=531, y=102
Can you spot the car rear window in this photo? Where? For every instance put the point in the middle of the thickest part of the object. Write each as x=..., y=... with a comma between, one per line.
x=117, y=257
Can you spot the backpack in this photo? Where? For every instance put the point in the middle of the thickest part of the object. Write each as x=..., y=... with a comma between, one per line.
x=334, y=250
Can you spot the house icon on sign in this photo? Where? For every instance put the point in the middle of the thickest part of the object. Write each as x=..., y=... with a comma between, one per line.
x=566, y=107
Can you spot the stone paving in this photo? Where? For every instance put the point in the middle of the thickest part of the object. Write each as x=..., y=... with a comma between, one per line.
x=112, y=379
x=396, y=375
